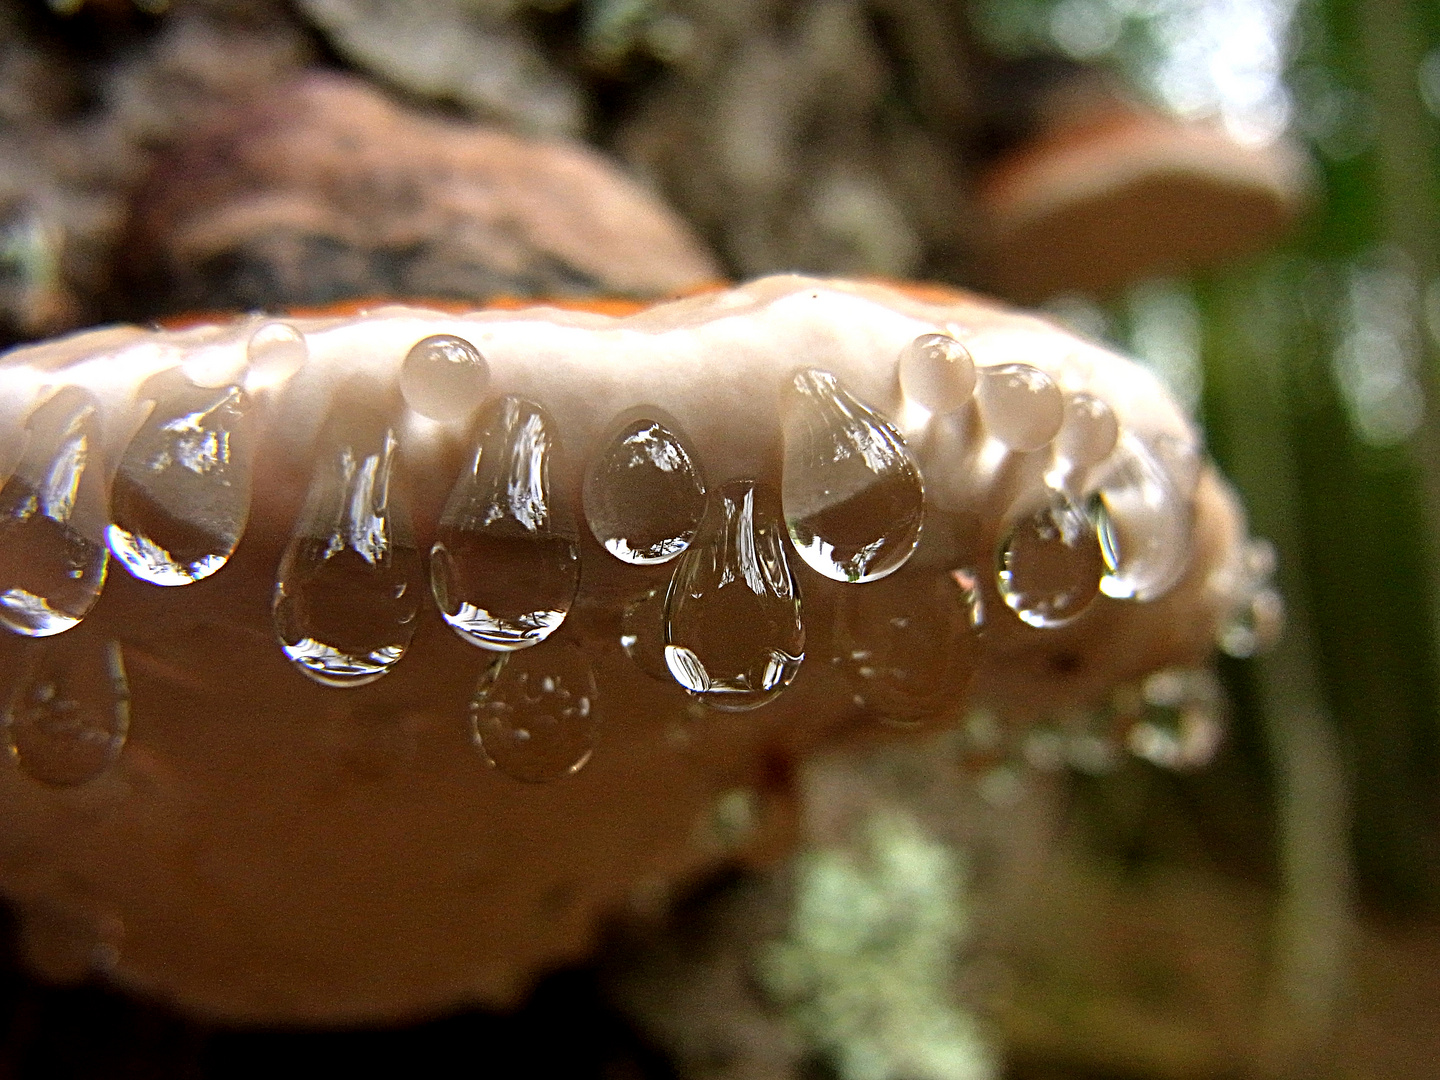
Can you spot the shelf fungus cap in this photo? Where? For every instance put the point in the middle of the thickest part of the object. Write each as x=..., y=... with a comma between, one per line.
x=294, y=790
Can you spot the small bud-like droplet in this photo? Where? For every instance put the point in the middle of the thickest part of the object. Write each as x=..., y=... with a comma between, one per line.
x=1087, y=436
x=937, y=372
x=52, y=520
x=1144, y=521
x=504, y=572
x=68, y=709
x=350, y=582
x=1049, y=564
x=854, y=501
x=444, y=377
x=733, y=635
x=534, y=714
x=907, y=645
x=643, y=494
x=1020, y=404
x=182, y=494
x=275, y=352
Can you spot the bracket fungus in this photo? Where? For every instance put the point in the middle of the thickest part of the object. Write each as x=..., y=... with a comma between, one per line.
x=648, y=558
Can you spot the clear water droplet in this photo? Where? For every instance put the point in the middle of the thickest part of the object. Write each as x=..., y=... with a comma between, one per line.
x=854, y=501
x=1049, y=564
x=275, y=352
x=444, y=377
x=350, y=582
x=181, y=497
x=1256, y=612
x=534, y=714
x=643, y=494
x=503, y=570
x=937, y=372
x=733, y=635
x=907, y=645
x=53, y=515
x=642, y=633
x=1144, y=523
x=1020, y=404
x=68, y=712
x=1087, y=437
x=1180, y=720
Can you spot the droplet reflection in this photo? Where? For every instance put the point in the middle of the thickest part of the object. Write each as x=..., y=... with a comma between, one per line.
x=534, y=714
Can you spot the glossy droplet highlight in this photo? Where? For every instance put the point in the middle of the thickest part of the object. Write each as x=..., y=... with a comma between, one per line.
x=1143, y=512
x=733, y=635
x=350, y=582
x=52, y=520
x=275, y=352
x=181, y=497
x=854, y=502
x=503, y=570
x=444, y=377
x=907, y=645
x=937, y=372
x=68, y=712
x=1049, y=564
x=643, y=494
x=534, y=715
x=1020, y=404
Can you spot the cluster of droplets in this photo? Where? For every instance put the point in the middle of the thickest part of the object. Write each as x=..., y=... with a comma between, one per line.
x=1110, y=515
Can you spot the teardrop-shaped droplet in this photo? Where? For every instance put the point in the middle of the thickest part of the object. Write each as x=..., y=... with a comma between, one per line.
x=1020, y=404
x=534, y=715
x=1144, y=520
x=52, y=520
x=350, y=582
x=643, y=494
x=1087, y=436
x=181, y=497
x=503, y=570
x=1181, y=719
x=642, y=633
x=275, y=352
x=937, y=372
x=733, y=635
x=854, y=501
x=1049, y=564
x=907, y=645
x=444, y=377
x=68, y=711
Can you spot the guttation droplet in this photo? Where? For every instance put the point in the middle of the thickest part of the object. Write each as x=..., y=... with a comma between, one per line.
x=733, y=635
x=275, y=352
x=69, y=711
x=444, y=377
x=181, y=497
x=1181, y=719
x=1020, y=404
x=642, y=633
x=643, y=494
x=854, y=502
x=1086, y=438
x=1255, y=614
x=53, y=515
x=937, y=372
x=534, y=714
x=908, y=645
x=350, y=582
x=1143, y=511
x=504, y=572
x=1049, y=564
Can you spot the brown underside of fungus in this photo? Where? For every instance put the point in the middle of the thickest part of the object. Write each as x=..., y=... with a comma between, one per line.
x=478, y=614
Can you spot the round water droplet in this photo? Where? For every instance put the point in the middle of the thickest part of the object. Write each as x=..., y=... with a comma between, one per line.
x=854, y=501
x=907, y=645
x=534, y=714
x=643, y=494
x=504, y=572
x=350, y=582
x=444, y=377
x=642, y=633
x=733, y=635
x=1144, y=522
x=1180, y=722
x=68, y=712
x=181, y=497
x=1020, y=404
x=1087, y=436
x=936, y=371
x=1049, y=564
x=52, y=520
x=275, y=352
